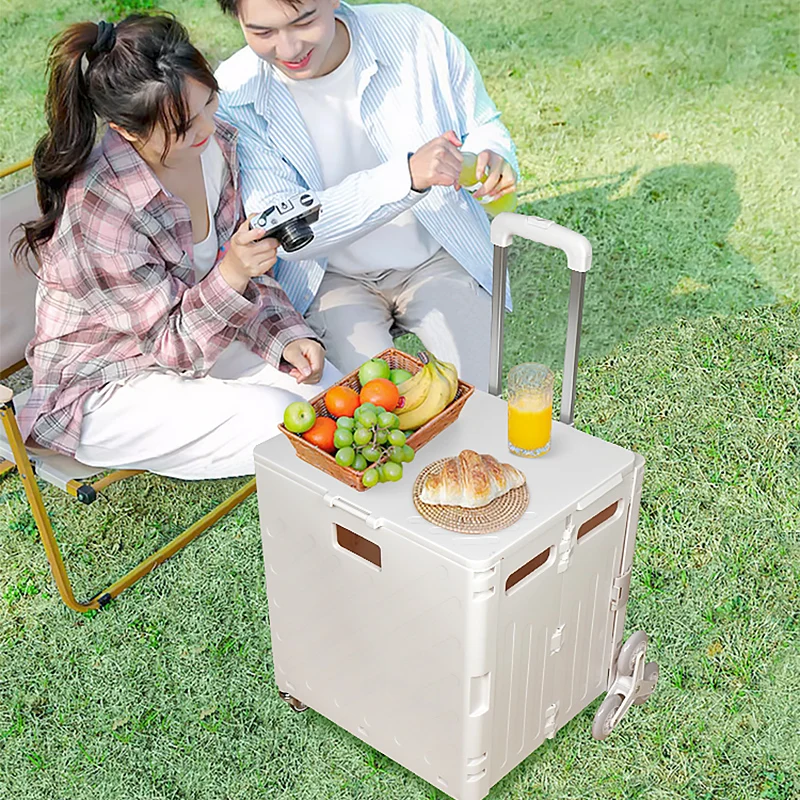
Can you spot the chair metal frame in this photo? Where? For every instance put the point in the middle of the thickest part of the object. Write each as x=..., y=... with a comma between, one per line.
x=87, y=493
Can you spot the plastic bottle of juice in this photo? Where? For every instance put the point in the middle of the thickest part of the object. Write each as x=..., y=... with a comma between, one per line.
x=471, y=181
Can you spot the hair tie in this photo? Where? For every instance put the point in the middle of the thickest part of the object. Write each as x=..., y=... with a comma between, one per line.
x=106, y=37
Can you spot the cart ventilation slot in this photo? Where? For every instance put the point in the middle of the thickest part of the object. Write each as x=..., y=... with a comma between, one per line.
x=598, y=519
x=358, y=545
x=527, y=569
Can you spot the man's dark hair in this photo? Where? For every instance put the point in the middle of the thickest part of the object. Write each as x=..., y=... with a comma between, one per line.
x=232, y=6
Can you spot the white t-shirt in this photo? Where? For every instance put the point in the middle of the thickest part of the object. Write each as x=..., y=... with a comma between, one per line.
x=329, y=106
x=213, y=162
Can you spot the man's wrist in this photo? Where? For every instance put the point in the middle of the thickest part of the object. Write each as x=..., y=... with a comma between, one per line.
x=411, y=177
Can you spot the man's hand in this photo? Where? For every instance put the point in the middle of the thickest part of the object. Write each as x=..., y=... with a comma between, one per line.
x=436, y=163
x=501, y=178
x=248, y=255
x=307, y=358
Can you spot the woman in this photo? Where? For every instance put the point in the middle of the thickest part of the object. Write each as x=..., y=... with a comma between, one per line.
x=153, y=349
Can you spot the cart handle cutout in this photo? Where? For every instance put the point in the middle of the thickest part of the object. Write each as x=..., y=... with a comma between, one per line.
x=598, y=519
x=528, y=569
x=358, y=545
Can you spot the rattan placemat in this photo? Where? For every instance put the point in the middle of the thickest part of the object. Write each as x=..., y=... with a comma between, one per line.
x=499, y=514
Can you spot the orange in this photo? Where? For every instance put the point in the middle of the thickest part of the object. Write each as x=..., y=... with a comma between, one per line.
x=342, y=401
x=380, y=392
x=321, y=434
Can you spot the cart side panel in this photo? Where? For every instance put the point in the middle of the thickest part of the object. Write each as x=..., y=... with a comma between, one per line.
x=591, y=564
x=527, y=620
x=395, y=653
x=627, y=562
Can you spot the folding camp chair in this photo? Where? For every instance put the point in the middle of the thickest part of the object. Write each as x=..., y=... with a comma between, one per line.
x=17, y=299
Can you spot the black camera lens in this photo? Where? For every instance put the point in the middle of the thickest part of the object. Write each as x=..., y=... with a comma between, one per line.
x=295, y=234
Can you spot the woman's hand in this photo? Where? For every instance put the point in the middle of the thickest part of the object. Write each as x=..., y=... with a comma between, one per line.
x=248, y=256
x=307, y=358
x=501, y=178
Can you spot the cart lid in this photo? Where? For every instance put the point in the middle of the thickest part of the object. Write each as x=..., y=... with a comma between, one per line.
x=576, y=468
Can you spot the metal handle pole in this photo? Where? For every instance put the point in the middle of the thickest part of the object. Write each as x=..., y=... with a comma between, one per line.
x=576, y=286
x=498, y=317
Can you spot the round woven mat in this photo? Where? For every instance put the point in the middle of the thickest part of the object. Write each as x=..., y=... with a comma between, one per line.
x=500, y=513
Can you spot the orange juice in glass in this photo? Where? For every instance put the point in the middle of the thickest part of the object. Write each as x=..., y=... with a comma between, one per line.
x=530, y=409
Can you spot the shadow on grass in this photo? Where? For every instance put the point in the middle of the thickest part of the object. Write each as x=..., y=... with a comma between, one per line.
x=660, y=253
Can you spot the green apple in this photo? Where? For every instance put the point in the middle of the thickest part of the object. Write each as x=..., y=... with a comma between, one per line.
x=374, y=368
x=299, y=417
x=398, y=376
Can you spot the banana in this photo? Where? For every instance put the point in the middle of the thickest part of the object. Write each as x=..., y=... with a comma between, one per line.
x=435, y=402
x=415, y=389
x=449, y=371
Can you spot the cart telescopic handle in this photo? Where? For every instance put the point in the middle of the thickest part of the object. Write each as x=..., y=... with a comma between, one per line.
x=504, y=228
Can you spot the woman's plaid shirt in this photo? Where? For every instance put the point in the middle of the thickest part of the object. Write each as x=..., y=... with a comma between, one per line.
x=117, y=292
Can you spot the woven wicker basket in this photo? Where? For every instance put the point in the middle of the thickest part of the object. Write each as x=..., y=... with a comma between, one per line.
x=396, y=360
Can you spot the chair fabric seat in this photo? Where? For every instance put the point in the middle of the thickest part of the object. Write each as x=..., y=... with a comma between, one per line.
x=50, y=466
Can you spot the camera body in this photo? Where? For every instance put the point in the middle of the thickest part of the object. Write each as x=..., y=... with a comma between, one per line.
x=289, y=220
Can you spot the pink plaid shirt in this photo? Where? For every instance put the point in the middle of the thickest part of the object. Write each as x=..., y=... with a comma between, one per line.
x=118, y=293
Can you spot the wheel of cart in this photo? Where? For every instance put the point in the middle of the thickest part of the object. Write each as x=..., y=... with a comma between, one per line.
x=293, y=702
x=635, y=682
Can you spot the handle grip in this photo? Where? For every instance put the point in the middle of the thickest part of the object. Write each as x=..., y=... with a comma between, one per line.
x=579, y=260
x=336, y=501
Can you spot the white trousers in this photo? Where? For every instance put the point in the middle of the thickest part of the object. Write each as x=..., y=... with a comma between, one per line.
x=438, y=301
x=192, y=428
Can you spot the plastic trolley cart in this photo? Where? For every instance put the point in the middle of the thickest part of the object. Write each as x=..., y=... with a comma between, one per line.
x=457, y=655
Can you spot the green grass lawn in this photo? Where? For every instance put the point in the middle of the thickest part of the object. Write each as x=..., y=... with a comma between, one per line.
x=666, y=133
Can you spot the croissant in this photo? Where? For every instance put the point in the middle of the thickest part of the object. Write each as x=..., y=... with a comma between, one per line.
x=469, y=480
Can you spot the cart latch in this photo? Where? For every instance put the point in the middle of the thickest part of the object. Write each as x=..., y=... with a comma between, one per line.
x=555, y=640
x=565, y=548
x=620, y=589
x=550, y=720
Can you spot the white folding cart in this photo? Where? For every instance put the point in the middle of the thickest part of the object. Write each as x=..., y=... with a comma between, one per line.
x=457, y=655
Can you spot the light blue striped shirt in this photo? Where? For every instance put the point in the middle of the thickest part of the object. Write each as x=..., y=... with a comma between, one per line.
x=416, y=81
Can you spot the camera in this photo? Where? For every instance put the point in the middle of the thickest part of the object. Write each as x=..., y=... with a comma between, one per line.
x=289, y=221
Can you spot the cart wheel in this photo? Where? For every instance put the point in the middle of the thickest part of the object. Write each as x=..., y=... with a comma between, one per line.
x=603, y=719
x=629, y=652
x=650, y=674
x=294, y=703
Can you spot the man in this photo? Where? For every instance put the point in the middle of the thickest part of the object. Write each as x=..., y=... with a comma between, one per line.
x=369, y=107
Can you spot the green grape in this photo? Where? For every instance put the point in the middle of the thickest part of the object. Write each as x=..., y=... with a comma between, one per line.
x=371, y=453
x=342, y=438
x=362, y=436
x=408, y=453
x=396, y=454
x=346, y=456
x=364, y=407
x=368, y=418
x=379, y=410
x=392, y=472
x=397, y=438
x=381, y=472
x=386, y=420
x=348, y=423
x=370, y=478
x=360, y=463
x=381, y=436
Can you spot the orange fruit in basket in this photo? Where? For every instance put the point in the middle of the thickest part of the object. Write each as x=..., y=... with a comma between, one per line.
x=321, y=434
x=342, y=401
x=380, y=392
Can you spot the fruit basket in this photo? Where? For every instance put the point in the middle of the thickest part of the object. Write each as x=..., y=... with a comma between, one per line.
x=416, y=439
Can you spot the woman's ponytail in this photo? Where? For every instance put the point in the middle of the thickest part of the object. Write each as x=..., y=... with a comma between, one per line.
x=72, y=128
